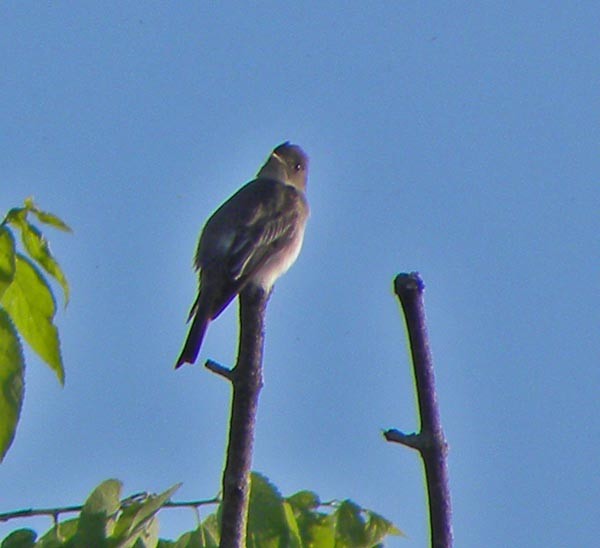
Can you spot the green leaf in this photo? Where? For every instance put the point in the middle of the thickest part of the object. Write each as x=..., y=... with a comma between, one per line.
x=104, y=499
x=349, y=527
x=147, y=537
x=317, y=529
x=21, y=538
x=12, y=382
x=304, y=500
x=96, y=515
x=377, y=528
x=138, y=517
x=265, y=515
x=58, y=535
x=35, y=243
x=30, y=304
x=293, y=531
x=7, y=258
x=16, y=216
x=211, y=531
x=193, y=539
x=37, y=246
x=269, y=524
x=46, y=217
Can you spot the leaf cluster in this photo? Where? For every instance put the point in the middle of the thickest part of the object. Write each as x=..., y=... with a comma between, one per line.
x=27, y=308
x=104, y=522
x=274, y=521
x=303, y=520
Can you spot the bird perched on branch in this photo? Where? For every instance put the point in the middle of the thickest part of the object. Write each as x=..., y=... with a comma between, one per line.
x=253, y=238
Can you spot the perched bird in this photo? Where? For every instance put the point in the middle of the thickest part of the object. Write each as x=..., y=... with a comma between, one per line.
x=253, y=238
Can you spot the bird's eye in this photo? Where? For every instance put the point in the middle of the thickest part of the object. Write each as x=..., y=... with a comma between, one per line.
x=298, y=167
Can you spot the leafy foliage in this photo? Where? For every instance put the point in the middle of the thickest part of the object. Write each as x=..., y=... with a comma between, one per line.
x=274, y=521
x=104, y=522
x=27, y=308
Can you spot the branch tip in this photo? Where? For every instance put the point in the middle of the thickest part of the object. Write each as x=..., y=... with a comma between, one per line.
x=408, y=282
x=414, y=441
x=219, y=369
x=429, y=441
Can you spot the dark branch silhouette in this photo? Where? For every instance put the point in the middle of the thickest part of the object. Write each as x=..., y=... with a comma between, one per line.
x=246, y=379
x=430, y=440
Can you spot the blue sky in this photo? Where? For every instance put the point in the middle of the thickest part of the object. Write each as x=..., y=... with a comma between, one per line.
x=460, y=140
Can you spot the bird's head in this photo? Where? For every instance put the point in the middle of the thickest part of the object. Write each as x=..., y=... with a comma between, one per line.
x=287, y=163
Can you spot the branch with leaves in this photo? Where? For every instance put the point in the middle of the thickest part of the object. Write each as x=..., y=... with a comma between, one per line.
x=27, y=308
x=301, y=519
x=55, y=513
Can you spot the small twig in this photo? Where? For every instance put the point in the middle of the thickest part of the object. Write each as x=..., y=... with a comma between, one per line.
x=247, y=383
x=192, y=503
x=32, y=512
x=414, y=441
x=430, y=440
x=219, y=369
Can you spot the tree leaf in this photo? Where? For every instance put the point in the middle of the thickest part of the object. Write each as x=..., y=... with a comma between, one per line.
x=211, y=532
x=7, y=258
x=16, y=216
x=293, y=531
x=30, y=304
x=47, y=217
x=12, y=372
x=271, y=521
x=59, y=534
x=147, y=537
x=100, y=507
x=136, y=519
x=317, y=529
x=193, y=539
x=104, y=499
x=304, y=500
x=38, y=248
x=21, y=538
x=350, y=526
x=377, y=528
x=265, y=514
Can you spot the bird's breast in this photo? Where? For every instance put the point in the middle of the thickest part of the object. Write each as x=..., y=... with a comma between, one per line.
x=278, y=263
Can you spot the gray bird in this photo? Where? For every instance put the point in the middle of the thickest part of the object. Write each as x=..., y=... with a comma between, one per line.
x=253, y=238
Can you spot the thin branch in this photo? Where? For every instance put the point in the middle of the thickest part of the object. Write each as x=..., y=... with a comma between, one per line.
x=414, y=441
x=219, y=369
x=247, y=383
x=33, y=512
x=55, y=512
x=191, y=503
x=430, y=440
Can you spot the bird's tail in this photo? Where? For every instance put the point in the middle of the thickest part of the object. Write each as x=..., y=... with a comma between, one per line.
x=194, y=339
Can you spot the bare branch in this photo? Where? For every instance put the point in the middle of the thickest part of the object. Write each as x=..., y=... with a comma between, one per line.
x=430, y=440
x=247, y=383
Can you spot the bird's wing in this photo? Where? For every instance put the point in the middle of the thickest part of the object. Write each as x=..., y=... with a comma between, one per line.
x=254, y=224
x=269, y=226
x=258, y=241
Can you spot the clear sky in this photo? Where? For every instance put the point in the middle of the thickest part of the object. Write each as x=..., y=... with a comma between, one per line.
x=457, y=139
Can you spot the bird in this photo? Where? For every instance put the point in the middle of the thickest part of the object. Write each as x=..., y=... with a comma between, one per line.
x=251, y=239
